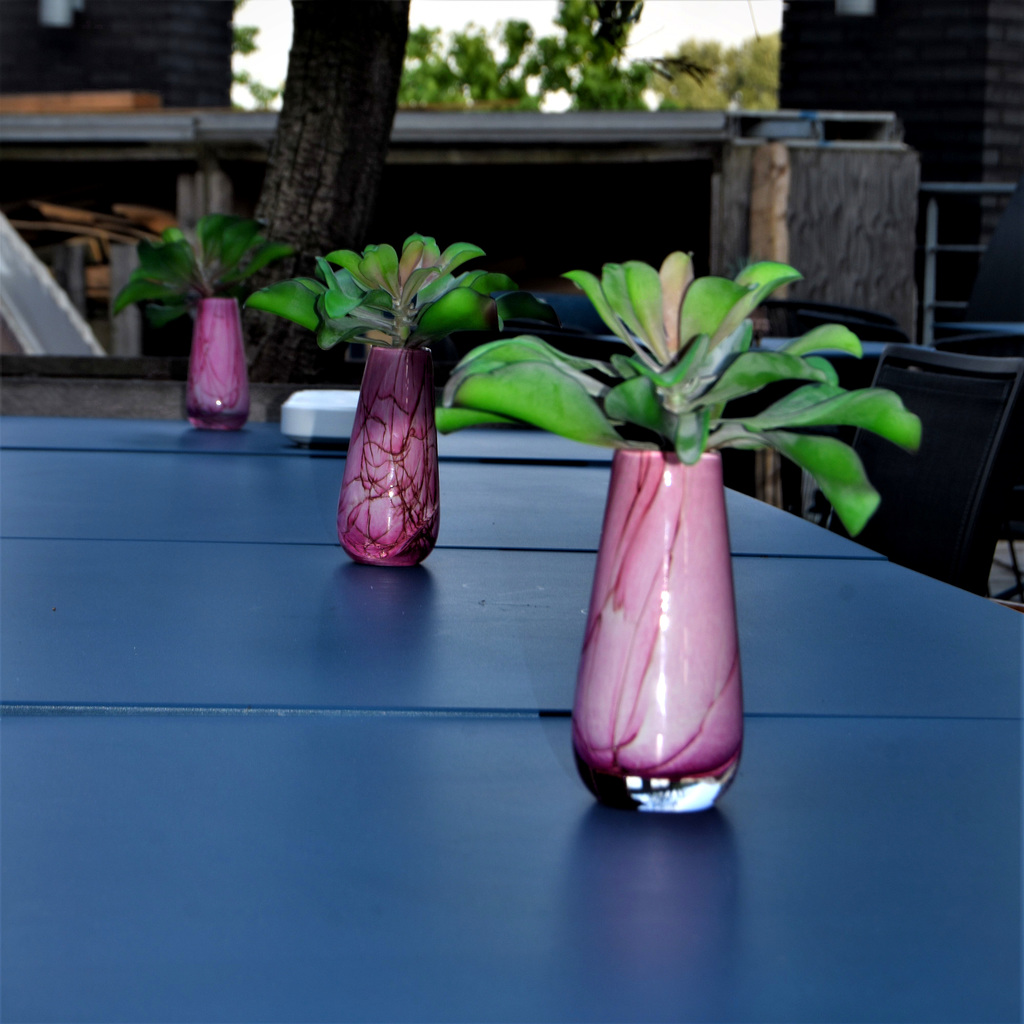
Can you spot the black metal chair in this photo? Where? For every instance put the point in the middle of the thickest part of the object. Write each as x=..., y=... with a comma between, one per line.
x=997, y=297
x=790, y=318
x=1000, y=346
x=943, y=507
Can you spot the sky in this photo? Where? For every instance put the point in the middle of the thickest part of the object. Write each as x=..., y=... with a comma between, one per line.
x=663, y=25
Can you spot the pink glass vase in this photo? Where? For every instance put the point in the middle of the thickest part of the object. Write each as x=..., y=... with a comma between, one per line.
x=217, y=397
x=389, y=511
x=658, y=714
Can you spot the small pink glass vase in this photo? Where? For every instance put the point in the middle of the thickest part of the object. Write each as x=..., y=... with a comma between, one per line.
x=218, y=384
x=389, y=511
x=658, y=715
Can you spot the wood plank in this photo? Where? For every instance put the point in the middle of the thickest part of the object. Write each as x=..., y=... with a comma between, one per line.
x=769, y=204
x=79, y=102
x=150, y=217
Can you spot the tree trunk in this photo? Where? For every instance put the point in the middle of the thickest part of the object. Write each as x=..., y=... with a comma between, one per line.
x=325, y=165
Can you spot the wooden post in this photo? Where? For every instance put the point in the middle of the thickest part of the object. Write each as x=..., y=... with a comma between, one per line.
x=69, y=269
x=769, y=205
x=126, y=327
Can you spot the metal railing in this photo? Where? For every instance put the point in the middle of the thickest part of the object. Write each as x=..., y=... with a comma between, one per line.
x=933, y=247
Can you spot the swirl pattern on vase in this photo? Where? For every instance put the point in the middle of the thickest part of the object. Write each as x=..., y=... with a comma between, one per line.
x=389, y=511
x=217, y=396
x=659, y=691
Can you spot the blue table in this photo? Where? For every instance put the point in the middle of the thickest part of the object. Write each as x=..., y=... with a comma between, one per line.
x=242, y=778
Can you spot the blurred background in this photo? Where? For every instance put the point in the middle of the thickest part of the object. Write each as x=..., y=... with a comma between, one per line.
x=822, y=132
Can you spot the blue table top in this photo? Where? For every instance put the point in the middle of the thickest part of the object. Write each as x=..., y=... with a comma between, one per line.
x=262, y=499
x=69, y=434
x=242, y=778
x=273, y=625
x=381, y=868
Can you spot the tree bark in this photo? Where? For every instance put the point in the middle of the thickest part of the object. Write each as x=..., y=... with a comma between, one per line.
x=332, y=139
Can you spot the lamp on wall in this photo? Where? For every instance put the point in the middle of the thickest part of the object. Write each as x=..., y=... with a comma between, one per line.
x=855, y=8
x=59, y=13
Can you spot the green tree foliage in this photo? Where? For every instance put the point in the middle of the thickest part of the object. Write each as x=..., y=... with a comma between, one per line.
x=467, y=72
x=243, y=43
x=585, y=60
x=746, y=77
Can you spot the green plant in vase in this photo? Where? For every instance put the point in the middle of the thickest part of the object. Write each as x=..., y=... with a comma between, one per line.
x=398, y=303
x=657, y=718
x=175, y=276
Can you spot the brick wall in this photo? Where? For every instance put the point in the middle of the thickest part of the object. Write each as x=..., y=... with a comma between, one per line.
x=180, y=49
x=952, y=70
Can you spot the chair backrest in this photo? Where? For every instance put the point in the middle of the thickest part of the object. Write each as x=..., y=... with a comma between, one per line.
x=998, y=293
x=942, y=507
x=1001, y=345
x=790, y=318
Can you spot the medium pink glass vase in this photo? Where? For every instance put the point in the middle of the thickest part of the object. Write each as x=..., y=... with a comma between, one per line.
x=217, y=397
x=389, y=511
x=658, y=714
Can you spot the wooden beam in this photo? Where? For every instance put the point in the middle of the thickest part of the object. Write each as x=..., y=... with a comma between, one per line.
x=769, y=204
x=78, y=102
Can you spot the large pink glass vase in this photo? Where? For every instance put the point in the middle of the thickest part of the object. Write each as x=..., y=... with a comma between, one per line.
x=217, y=397
x=389, y=511
x=658, y=715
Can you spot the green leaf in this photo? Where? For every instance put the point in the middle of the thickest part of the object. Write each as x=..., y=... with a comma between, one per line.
x=449, y=420
x=159, y=314
x=616, y=290
x=333, y=332
x=691, y=436
x=430, y=253
x=379, y=267
x=524, y=306
x=767, y=274
x=336, y=304
x=676, y=274
x=432, y=290
x=458, y=253
x=420, y=280
x=237, y=238
x=876, y=409
x=459, y=310
x=412, y=253
x=485, y=283
x=327, y=273
x=628, y=367
x=292, y=300
x=821, y=363
x=142, y=291
x=838, y=471
x=537, y=393
x=759, y=280
x=644, y=289
x=591, y=287
x=210, y=235
x=171, y=263
x=636, y=401
x=527, y=348
x=825, y=338
x=713, y=359
x=377, y=298
x=751, y=371
x=262, y=257
x=706, y=304
x=350, y=261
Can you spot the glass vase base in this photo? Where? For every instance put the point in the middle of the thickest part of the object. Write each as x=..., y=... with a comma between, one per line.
x=680, y=795
x=218, y=420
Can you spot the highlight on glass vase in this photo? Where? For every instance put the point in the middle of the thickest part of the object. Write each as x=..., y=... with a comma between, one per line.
x=205, y=277
x=397, y=303
x=657, y=716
